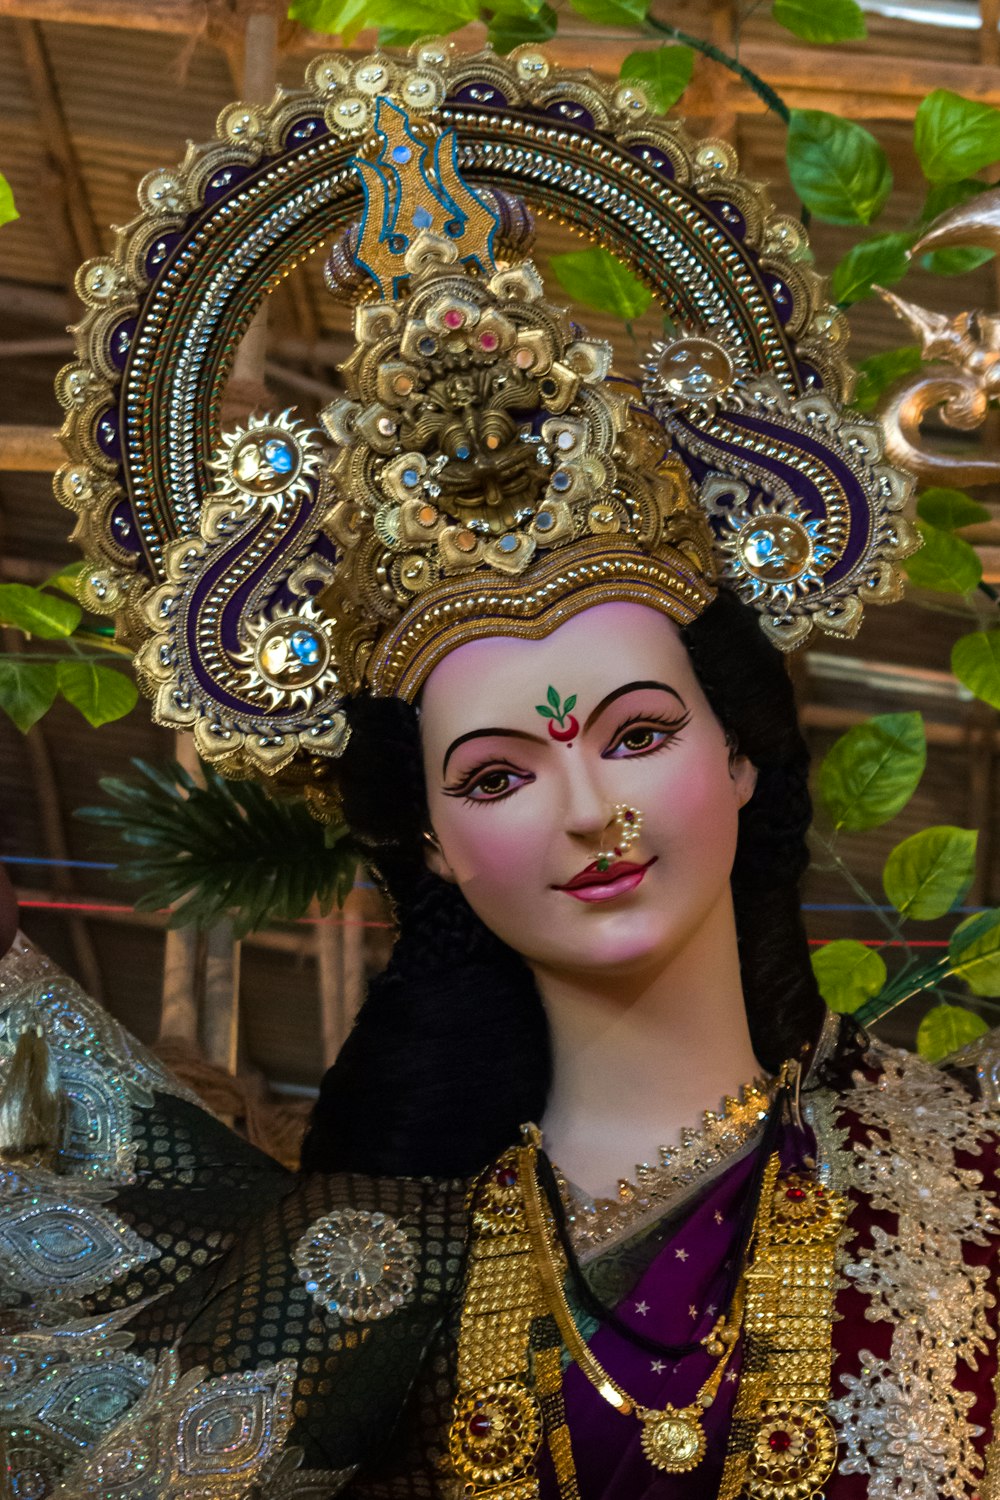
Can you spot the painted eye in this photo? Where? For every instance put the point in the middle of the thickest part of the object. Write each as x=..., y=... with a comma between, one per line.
x=493, y=784
x=639, y=738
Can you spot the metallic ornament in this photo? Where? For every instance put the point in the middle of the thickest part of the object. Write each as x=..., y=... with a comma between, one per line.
x=480, y=434
x=674, y=1440
x=360, y=1266
x=495, y=1433
x=793, y=1455
x=691, y=368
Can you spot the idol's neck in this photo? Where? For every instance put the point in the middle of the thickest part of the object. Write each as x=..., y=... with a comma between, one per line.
x=641, y=1055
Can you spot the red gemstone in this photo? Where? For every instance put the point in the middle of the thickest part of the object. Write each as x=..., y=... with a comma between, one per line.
x=488, y=341
x=453, y=318
x=796, y=1194
x=780, y=1442
x=630, y=817
x=480, y=1424
x=505, y=1177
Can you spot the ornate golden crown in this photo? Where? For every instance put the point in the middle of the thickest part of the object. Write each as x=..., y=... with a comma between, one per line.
x=485, y=472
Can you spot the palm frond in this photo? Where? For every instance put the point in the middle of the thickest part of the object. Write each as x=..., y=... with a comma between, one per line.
x=222, y=849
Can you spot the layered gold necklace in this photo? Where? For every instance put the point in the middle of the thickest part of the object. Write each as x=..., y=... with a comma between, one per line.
x=516, y=1321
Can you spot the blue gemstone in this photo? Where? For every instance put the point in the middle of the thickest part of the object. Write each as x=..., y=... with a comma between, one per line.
x=508, y=543
x=411, y=478
x=423, y=218
x=544, y=521
x=280, y=455
x=401, y=153
x=561, y=480
x=427, y=346
x=463, y=450
x=306, y=647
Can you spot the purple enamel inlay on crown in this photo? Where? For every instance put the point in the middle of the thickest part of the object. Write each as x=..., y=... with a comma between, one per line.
x=224, y=180
x=729, y=214
x=653, y=157
x=123, y=527
x=806, y=492
x=159, y=253
x=479, y=93
x=781, y=297
x=573, y=113
x=304, y=131
x=120, y=342
x=106, y=433
x=810, y=377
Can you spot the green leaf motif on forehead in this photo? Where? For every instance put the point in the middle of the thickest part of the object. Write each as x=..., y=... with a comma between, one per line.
x=556, y=709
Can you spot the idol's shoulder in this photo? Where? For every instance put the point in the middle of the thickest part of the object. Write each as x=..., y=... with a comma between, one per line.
x=173, y=1302
x=915, y=1148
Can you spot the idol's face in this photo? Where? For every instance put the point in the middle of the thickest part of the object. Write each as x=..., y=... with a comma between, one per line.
x=531, y=746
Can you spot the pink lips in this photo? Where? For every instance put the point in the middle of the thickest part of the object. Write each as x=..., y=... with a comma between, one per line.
x=619, y=879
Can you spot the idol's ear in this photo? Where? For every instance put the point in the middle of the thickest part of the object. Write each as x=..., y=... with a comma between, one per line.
x=436, y=860
x=744, y=774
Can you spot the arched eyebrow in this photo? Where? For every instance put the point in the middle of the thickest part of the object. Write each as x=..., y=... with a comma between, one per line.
x=479, y=734
x=631, y=687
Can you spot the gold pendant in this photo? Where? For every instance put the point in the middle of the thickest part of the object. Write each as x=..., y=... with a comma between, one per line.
x=674, y=1440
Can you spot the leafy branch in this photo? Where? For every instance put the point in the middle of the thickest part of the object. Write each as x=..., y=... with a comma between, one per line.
x=225, y=848
x=31, y=682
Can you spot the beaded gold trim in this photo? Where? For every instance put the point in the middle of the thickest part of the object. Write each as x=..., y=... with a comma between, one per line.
x=587, y=573
x=598, y=1224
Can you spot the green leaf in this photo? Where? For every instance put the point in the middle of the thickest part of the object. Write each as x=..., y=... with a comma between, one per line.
x=821, y=20
x=880, y=371
x=226, y=847
x=882, y=259
x=838, y=168
x=389, y=36
x=101, y=694
x=35, y=613
x=27, y=689
x=7, y=210
x=974, y=952
x=570, y=704
x=664, y=73
x=848, y=974
x=956, y=260
x=954, y=137
x=546, y=713
x=67, y=580
x=975, y=661
x=927, y=874
x=872, y=771
x=418, y=17
x=945, y=1029
x=612, y=12
x=505, y=32
x=333, y=17
x=553, y=698
x=596, y=278
x=945, y=563
x=944, y=195
x=950, y=510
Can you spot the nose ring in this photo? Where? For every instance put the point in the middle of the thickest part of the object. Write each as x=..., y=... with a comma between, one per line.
x=628, y=822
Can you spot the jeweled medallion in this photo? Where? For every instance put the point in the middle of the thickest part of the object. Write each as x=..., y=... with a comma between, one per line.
x=673, y=1440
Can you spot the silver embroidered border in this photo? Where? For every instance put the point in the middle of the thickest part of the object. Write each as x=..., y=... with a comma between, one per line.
x=901, y=1421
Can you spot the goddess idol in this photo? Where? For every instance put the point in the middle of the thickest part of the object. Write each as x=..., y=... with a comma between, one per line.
x=521, y=623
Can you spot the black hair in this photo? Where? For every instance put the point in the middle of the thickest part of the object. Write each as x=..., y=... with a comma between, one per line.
x=450, y=1052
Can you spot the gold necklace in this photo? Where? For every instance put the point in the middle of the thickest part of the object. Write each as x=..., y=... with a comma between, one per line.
x=673, y=1438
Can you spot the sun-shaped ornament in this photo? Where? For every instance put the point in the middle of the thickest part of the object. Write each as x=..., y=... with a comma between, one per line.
x=271, y=459
x=689, y=369
x=771, y=550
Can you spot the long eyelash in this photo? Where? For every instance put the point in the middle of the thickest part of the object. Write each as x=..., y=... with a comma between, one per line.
x=470, y=778
x=674, y=726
